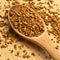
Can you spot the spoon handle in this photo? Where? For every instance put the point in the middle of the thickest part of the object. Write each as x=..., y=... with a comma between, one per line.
x=47, y=44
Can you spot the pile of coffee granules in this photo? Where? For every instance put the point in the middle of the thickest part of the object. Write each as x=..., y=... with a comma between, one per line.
x=26, y=21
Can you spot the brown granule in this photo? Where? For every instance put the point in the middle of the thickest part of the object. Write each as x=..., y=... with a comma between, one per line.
x=15, y=3
x=8, y=0
x=24, y=51
x=38, y=0
x=57, y=47
x=57, y=41
x=30, y=26
x=0, y=55
x=0, y=40
x=5, y=33
x=33, y=54
x=17, y=54
x=15, y=47
x=26, y=56
x=46, y=56
x=2, y=23
x=4, y=46
x=22, y=45
x=51, y=39
x=11, y=51
x=9, y=42
x=27, y=0
x=6, y=15
x=51, y=1
x=31, y=4
x=19, y=47
x=50, y=57
x=8, y=59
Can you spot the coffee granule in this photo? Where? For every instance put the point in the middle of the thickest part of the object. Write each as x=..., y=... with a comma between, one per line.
x=4, y=46
x=33, y=54
x=24, y=51
x=17, y=54
x=27, y=0
x=38, y=0
x=11, y=51
x=2, y=23
x=8, y=59
x=15, y=47
x=0, y=40
x=26, y=56
x=0, y=55
x=26, y=21
x=20, y=47
x=15, y=3
x=57, y=47
x=58, y=41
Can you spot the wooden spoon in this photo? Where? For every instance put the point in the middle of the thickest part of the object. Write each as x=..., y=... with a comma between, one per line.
x=42, y=40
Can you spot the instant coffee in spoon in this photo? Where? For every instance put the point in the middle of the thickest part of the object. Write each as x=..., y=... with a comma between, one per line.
x=25, y=21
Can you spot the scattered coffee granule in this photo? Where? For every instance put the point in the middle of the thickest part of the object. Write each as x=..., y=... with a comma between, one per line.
x=15, y=3
x=5, y=33
x=4, y=46
x=8, y=41
x=26, y=21
x=24, y=51
x=49, y=57
x=26, y=56
x=27, y=0
x=22, y=45
x=52, y=39
x=57, y=41
x=15, y=47
x=46, y=56
x=0, y=40
x=0, y=55
x=2, y=23
x=8, y=0
x=33, y=54
x=19, y=47
x=11, y=51
x=6, y=15
x=57, y=47
x=8, y=59
x=38, y=0
x=51, y=1
x=17, y=54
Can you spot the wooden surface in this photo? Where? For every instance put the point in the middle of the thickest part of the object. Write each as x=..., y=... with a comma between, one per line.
x=21, y=44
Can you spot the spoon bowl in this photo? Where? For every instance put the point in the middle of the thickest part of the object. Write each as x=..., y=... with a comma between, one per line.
x=43, y=40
